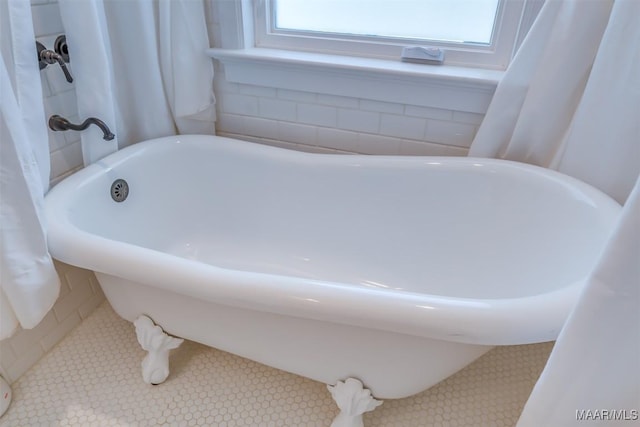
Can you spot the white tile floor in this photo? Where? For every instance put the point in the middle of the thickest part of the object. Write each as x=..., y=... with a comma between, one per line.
x=92, y=378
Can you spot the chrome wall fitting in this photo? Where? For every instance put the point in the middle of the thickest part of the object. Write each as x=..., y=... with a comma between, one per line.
x=61, y=48
x=48, y=57
x=59, y=123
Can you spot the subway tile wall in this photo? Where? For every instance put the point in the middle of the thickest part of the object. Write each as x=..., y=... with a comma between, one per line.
x=59, y=95
x=79, y=292
x=326, y=123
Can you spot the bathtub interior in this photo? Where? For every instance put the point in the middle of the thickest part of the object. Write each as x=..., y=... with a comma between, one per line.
x=457, y=227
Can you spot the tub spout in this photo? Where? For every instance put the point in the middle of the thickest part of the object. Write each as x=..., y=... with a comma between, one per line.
x=58, y=123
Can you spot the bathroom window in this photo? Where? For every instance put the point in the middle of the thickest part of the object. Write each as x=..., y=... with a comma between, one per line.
x=480, y=33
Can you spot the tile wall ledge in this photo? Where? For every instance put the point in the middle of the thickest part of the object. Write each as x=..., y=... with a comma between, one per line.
x=439, y=86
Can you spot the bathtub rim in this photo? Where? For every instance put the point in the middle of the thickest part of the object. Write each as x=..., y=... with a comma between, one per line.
x=464, y=320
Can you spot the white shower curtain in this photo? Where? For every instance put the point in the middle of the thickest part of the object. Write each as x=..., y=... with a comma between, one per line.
x=28, y=280
x=139, y=66
x=595, y=363
x=571, y=101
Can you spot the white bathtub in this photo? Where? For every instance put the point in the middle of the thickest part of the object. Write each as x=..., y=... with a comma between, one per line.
x=398, y=271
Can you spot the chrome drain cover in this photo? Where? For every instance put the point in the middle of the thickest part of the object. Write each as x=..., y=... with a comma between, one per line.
x=119, y=190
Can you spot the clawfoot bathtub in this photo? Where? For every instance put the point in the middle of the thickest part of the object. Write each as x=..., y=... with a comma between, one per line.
x=395, y=271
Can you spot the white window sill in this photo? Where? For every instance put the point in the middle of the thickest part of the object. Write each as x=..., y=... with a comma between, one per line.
x=438, y=86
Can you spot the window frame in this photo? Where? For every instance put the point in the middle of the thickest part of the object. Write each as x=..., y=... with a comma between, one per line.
x=513, y=18
x=462, y=89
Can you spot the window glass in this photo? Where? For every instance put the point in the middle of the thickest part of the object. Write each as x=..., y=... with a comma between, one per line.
x=473, y=33
x=454, y=21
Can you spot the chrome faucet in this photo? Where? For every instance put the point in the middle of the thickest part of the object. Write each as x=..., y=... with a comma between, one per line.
x=48, y=57
x=58, y=123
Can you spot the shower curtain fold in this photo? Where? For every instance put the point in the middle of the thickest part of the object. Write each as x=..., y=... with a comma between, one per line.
x=89, y=52
x=570, y=101
x=141, y=67
x=602, y=144
x=29, y=282
x=595, y=364
x=187, y=72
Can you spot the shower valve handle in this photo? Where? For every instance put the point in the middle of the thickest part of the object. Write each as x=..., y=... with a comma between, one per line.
x=48, y=56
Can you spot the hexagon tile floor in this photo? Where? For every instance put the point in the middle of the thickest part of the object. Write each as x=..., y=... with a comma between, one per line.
x=92, y=378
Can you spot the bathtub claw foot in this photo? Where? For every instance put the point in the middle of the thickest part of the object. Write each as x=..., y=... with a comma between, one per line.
x=353, y=400
x=155, y=366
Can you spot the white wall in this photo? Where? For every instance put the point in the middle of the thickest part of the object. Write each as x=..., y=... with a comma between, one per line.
x=59, y=95
x=80, y=292
x=313, y=121
x=319, y=122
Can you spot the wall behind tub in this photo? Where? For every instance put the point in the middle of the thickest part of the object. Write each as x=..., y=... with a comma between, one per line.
x=327, y=123
x=80, y=293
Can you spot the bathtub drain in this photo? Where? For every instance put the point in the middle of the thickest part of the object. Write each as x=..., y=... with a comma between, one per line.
x=119, y=190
